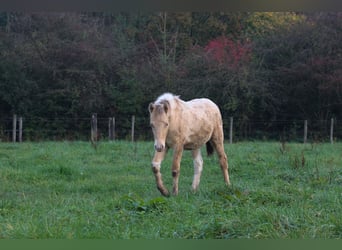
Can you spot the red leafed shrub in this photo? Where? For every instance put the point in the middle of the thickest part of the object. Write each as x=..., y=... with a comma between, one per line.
x=228, y=53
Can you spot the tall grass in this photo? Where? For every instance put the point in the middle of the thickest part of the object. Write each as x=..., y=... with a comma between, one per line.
x=71, y=190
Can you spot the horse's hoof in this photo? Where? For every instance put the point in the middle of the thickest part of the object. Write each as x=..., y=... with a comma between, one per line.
x=175, y=193
x=164, y=192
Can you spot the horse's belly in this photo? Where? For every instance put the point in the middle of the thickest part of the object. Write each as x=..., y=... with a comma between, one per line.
x=192, y=146
x=195, y=141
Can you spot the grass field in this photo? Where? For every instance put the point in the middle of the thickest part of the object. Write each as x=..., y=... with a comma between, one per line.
x=71, y=190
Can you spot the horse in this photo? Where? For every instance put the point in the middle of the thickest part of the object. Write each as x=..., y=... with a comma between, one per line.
x=182, y=125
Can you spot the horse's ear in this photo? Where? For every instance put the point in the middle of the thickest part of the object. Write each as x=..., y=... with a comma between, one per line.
x=166, y=106
x=151, y=107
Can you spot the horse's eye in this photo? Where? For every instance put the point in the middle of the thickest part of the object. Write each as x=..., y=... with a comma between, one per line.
x=166, y=124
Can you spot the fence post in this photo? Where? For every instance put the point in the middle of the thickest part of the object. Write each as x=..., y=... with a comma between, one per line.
x=14, y=131
x=20, y=129
x=332, y=130
x=231, y=130
x=132, y=133
x=114, y=128
x=305, y=130
x=111, y=128
x=94, y=128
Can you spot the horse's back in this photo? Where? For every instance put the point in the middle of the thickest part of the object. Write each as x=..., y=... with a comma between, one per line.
x=204, y=107
x=202, y=114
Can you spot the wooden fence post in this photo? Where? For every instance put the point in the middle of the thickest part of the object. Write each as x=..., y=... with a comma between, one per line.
x=132, y=132
x=332, y=130
x=20, y=129
x=231, y=130
x=94, y=128
x=111, y=128
x=14, y=131
x=305, y=130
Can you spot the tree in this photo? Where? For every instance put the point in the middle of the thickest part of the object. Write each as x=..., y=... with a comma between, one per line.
x=255, y=66
x=301, y=69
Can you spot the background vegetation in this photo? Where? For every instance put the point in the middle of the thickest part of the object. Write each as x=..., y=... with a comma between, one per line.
x=69, y=190
x=265, y=69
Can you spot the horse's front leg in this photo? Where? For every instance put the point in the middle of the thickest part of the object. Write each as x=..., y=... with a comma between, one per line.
x=156, y=162
x=177, y=156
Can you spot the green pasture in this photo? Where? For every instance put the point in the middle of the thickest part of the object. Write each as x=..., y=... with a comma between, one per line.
x=72, y=190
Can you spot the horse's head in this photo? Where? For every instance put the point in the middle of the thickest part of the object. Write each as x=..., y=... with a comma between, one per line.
x=159, y=121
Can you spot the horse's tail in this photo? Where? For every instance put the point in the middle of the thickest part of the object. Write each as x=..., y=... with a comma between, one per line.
x=210, y=149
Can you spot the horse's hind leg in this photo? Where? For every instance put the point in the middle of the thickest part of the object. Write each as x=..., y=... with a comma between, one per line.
x=198, y=166
x=223, y=162
x=217, y=141
x=156, y=162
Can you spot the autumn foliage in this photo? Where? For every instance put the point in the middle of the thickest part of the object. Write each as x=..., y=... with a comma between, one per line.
x=228, y=53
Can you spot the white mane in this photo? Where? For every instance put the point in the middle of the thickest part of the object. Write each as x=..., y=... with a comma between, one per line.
x=166, y=96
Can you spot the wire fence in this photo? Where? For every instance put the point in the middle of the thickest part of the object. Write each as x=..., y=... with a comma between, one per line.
x=137, y=128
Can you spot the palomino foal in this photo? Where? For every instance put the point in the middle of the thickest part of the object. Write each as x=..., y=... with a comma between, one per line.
x=183, y=125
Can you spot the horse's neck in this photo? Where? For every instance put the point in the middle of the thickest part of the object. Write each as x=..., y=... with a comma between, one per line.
x=178, y=111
